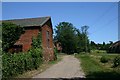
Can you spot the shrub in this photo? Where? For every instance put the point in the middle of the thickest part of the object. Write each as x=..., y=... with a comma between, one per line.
x=36, y=57
x=116, y=61
x=14, y=64
x=36, y=41
x=104, y=59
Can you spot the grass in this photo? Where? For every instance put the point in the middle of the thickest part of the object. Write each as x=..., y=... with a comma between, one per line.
x=93, y=68
x=88, y=64
x=43, y=67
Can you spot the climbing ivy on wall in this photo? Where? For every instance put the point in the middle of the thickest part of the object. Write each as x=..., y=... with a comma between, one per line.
x=36, y=42
x=10, y=33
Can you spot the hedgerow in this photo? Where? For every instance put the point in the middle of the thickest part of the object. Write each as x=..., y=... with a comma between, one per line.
x=17, y=63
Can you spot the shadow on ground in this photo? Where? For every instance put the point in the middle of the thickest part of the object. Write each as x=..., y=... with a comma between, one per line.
x=92, y=76
x=97, y=76
x=111, y=75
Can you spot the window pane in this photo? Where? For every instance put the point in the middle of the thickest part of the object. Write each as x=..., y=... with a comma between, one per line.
x=47, y=35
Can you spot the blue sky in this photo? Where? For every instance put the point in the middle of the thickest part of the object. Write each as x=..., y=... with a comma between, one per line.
x=101, y=17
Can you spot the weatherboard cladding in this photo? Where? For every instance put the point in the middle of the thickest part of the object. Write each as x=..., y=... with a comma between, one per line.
x=41, y=24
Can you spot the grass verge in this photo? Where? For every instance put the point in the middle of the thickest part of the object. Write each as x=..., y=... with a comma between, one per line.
x=94, y=69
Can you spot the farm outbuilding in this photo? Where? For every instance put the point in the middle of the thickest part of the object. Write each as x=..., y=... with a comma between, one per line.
x=32, y=27
x=115, y=47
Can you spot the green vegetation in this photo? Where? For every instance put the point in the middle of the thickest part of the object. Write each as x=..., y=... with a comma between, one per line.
x=99, y=65
x=116, y=61
x=36, y=42
x=10, y=33
x=14, y=64
x=17, y=63
x=56, y=53
x=103, y=46
x=71, y=38
x=104, y=59
x=41, y=68
x=88, y=64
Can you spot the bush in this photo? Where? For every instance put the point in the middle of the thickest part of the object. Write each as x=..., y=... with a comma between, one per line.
x=36, y=41
x=36, y=57
x=14, y=64
x=10, y=33
x=104, y=59
x=116, y=61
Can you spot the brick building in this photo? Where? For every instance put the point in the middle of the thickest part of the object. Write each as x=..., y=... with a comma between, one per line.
x=58, y=46
x=32, y=27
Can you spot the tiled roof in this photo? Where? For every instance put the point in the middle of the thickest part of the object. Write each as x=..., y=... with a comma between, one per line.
x=29, y=21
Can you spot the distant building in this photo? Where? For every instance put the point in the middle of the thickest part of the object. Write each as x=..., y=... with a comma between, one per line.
x=115, y=47
x=32, y=27
x=58, y=45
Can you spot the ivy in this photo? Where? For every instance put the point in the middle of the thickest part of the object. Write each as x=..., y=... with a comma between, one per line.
x=10, y=33
x=36, y=42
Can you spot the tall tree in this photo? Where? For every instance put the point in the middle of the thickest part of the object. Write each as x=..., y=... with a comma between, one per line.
x=65, y=33
x=85, y=39
x=71, y=38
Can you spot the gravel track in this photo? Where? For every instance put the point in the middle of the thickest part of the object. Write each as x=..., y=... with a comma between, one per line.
x=68, y=67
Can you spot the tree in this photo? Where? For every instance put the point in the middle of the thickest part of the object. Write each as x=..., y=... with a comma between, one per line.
x=65, y=33
x=93, y=45
x=10, y=33
x=85, y=39
x=71, y=38
x=79, y=41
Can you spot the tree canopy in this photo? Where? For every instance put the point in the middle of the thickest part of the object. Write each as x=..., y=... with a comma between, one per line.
x=71, y=38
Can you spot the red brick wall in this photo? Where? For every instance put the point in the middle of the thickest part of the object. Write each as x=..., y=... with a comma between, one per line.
x=48, y=52
x=26, y=39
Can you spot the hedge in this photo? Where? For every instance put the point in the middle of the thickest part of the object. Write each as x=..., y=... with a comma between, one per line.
x=17, y=63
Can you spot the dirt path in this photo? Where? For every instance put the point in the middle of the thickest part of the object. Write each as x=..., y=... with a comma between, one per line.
x=68, y=67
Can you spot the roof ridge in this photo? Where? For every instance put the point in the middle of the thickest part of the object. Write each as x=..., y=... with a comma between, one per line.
x=38, y=21
x=27, y=18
